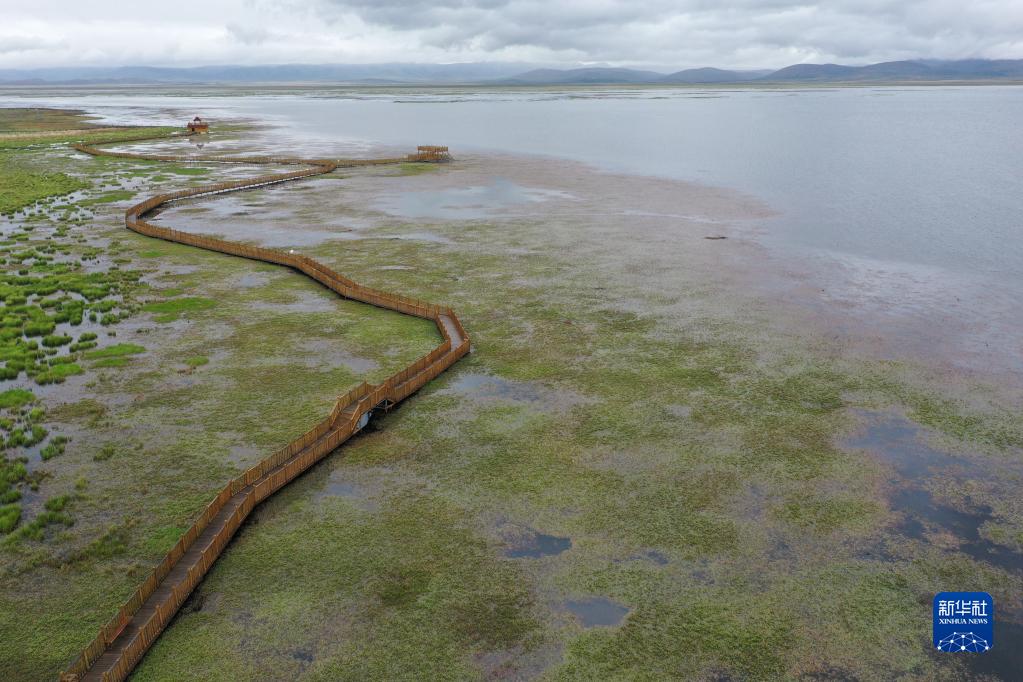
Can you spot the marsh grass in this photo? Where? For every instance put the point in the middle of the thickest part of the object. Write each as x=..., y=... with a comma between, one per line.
x=107, y=363
x=84, y=136
x=107, y=198
x=24, y=120
x=20, y=187
x=172, y=309
x=407, y=169
x=115, y=351
x=16, y=397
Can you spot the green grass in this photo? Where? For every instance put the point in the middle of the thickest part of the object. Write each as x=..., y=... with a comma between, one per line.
x=58, y=373
x=416, y=168
x=10, y=514
x=170, y=310
x=20, y=188
x=27, y=120
x=107, y=198
x=37, y=527
x=106, y=452
x=826, y=515
x=54, y=341
x=162, y=539
x=117, y=350
x=57, y=504
x=85, y=137
x=55, y=313
x=111, y=544
x=54, y=448
x=16, y=397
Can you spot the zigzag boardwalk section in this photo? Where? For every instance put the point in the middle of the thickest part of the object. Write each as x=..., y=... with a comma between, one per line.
x=123, y=641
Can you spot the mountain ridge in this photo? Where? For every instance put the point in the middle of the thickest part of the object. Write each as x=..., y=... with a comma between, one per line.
x=504, y=73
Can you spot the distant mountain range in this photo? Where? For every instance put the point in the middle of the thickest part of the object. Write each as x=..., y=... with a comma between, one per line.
x=596, y=75
x=282, y=73
x=903, y=71
x=966, y=69
x=499, y=73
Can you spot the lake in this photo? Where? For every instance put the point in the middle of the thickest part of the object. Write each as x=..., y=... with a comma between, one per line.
x=919, y=185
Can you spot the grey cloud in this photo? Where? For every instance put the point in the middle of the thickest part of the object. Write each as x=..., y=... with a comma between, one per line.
x=657, y=34
x=248, y=34
x=12, y=44
x=660, y=31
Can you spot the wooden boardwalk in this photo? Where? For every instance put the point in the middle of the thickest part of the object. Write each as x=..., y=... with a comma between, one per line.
x=123, y=641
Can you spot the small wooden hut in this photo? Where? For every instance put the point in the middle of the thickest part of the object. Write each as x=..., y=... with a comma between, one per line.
x=197, y=125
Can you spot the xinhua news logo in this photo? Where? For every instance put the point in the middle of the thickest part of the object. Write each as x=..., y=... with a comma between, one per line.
x=964, y=622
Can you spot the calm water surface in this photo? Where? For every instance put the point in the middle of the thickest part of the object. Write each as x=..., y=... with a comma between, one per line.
x=930, y=176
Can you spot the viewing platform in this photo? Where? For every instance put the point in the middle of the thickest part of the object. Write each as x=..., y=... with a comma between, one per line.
x=197, y=125
x=430, y=153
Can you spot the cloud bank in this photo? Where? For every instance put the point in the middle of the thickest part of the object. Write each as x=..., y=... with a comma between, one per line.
x=640, y=33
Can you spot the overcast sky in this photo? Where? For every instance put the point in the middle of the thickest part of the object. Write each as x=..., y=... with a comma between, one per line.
x=653, y=33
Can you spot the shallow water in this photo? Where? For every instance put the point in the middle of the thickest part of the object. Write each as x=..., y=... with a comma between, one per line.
x=900, y=443
x=485, y=388
x=596, y=611
x=531, y=544
x=465, y=203
x=342, y=488
x=418, y=237
x=482, y=386
x=1005, y=659
x=345, y=485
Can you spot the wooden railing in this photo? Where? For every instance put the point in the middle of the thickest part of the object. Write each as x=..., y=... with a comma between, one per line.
x=134, y=628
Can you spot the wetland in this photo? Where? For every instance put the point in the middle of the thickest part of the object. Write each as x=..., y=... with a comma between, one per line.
x=666, y=457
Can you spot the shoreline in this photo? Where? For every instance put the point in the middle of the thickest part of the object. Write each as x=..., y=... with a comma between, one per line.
x=398, y=87
x=917, y=315
x=816, y=293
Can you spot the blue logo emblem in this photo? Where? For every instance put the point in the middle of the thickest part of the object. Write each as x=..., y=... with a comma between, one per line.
x=964, y=621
